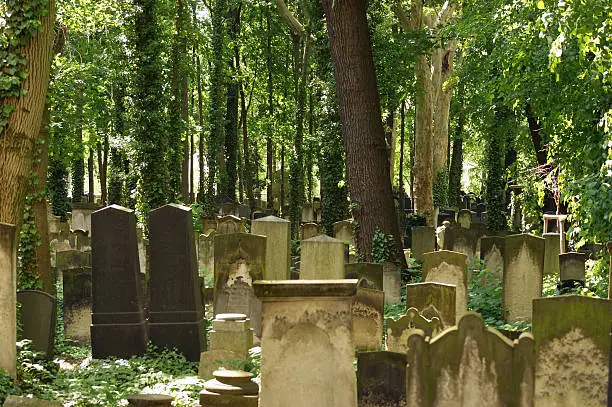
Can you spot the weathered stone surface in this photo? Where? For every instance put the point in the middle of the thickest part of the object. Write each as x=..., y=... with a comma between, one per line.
x=449, y=268
x=81, y=216
x=309, y=230
x=208, y=225
x=368, y=311
x=381, y=379
x=8, y=289
x=232, y=332
x=343, y=230
x=492, y=252
x=423, y=241
x=149, y=400
x=371, y=274
x=398, y=331
x=464, y=218
x=77, y=304
x=72, y=259
x=470, y=365
x=38, y=317
x=239, y=261
x=523, y=268
x=175, y=310
x=571, y=266
x=206, y=256
x=392, y=282
x=609, y=245
x=307, y=343
x=462, y=240
x=230, y=388
x=551, y=253
x=572, y=349
x=278, y=252
x=213, y=360
x=118, y=322
x=322, y=258
x=433, y=300
x=307, y=213
x=18, y=401
x=230, y=224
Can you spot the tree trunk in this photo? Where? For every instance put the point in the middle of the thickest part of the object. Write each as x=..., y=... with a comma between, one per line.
x=269, y=146
x=102, y=154
x=400, y=175
x=201, y=150
x=364, y=138
x=90, y=175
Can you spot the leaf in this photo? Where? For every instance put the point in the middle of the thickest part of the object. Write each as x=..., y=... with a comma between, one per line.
x=540, y=4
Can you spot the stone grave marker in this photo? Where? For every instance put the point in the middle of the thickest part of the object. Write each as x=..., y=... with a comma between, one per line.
x=372, y=273
x=423, y=241
x=175, y=304
x=572, y=270
x=343, y=230
x=307, y=343
x=81, y=216
x=38, y=317
x=232, y=332
x=8, y=289
x=234, y=388
x=77, y=304
x=492, y=252
x=206, y=256
x=72, y=259
x=149, y=400
x=551, y=253
x=368, y=311
x=392, y=282
x=460, y=240
x=307, y=213
x=278, y=240
x=609, y=246
x=433, y=300
x=239, y=262
x=118, y=322
x=523, y=269
x=464, y=218
x=143, y=244
x=572, y=349
x=381, y=379
x=449, y=268
x=208, y=225
x=244, y=211
x=230, y=224
x=308, y=230
x=82, y=240
x=470, y=365
x=322, y=258
x=398, y=331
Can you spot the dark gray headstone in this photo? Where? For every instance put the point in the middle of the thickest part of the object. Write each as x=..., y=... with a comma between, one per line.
x=38, y=316
x=118, y=323
x=72, y=259
x=77, y=304
x=372, y=273
x=175, y=310
x=381, y=379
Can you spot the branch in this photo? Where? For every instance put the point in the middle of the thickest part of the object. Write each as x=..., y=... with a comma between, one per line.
x=289, y=19
x=413, y=19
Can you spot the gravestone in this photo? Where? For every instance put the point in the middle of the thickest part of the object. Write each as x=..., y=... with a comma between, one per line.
x=239, y=261
x=343, y=230
x=82, y=240
x=464, y=218
x=206, y=256
x=433, y=300
x=322, y=258
x=307, y=343
x=307, y=213
x=118, y=322
x=392, y=282
x=209, y=224
x=462, y=240
x=609, y=246
x=278, y=252
x=175, y=309
x=381, y=379
x=572, y=348
x=38, y=317
x=77, y=304
x=308, y=230
x=72, y=259
x=423, y=241
x=492, y=253
x=368, y=311
x=229, y=209
x=551, y=253
x=523, y=269
x=244, y=211
x=143, y=245
x=232, y=332
x=572, y=270
x=470, y=365
x=18, y=401
x=449, y=268
x=371, y=273
x=8, y=289
x=230, y=224
x=398, y=331
x=81, y=216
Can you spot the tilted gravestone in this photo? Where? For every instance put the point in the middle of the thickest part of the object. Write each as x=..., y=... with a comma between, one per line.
x=572, y=347
x=175, y=310
x=38, y=317
x=8, y=288
x=470, y=365
x=392, y=282
x=77, y=304
x=322, y=258
x=278, y=240
x=433, y=300
x=239, y=261
x=381, y=379
x=118, y=321
x=449, y=268
x=372, y=273
x=398, y=331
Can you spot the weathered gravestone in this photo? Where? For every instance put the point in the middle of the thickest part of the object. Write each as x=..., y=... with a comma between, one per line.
x=572, y=339
x=464, y=218
x=307, y=343
x=278, y=239
x=143, y=245
x=81, y=216
x=551, y=253
x=230, y=224
x=8, y=288
x=239, y=261
x=82, y=240
x=77, y=304
x=449, y=268
x=371, y=274
x=322, y=258
x=368, y=311
x=118, y=322
x=492, y=253
x=609, y=245
x=392, y=282
x=72, y=259
x=343, y=230
x=38, y=317
x=308, y=230
x=381, y=379
x=572, y=270
x=462, y=240
x=18, y=401
x=470, y=365
x=307, y=213
x=175, y=306
x=433, y=300
x=523, y=268
x=209, y=224
x=206, y=256
x=423, y=241
x=398, y=331
x=229, y=209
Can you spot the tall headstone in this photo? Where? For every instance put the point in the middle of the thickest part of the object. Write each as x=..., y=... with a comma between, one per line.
x=118, y=322
x=433, y=300
x=175, y=310
x=77, y=304
x=38, y=317
x=572, y=348
x=322, y=258
x=523, y=269
x=372, y=273
x=343, y=230
x=492, y=252
x=423, y=241
x=307, y=213
x=368, y=311
x=449, y=268
x=278, y=251
x=239, y=262
x=572, y=269
x=307, y=343
x=8, y=289
x=392, y=282
x=551, y=254
x=381, y=379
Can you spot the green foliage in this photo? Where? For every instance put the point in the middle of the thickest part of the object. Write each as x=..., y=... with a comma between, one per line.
x=495, y=191
x=57, y=188
x=383, y=247
x=7, y=386
x=440, y=189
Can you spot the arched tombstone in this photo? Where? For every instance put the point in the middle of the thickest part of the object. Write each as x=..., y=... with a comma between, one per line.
x=38, y=317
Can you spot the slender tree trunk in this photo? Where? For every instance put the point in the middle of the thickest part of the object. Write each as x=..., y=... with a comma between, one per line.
x=102, y=154
x=269, y=146
x=423, y=157
x=364, y=138
x=185, y=178
x=201, y=144
x=400, y=176
x=90, y=175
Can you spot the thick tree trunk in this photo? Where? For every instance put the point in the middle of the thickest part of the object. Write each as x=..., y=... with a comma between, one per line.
x=423, y=155
x=364, y=138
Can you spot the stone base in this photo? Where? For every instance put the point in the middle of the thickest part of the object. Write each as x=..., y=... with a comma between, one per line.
x=119, y=340
x=184, y=336
x=239, y=342
x=149, y=400
x=208, y=399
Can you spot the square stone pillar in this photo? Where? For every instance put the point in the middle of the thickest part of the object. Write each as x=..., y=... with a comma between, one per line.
x=278, y=239
x=322, y=258
x=8, y=293
x=551, y=254
x=232, y=332
x=307, y=343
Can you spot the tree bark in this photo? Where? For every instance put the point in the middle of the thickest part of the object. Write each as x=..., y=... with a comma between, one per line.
x=90, y=175
x=269, y=146
x=367, y=160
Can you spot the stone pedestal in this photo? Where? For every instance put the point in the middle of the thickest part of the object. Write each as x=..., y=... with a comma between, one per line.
x=149, y=400
x=322, y=258
x=118, y=323
x=307, y=343
x=8, y=289
x=278, y=253
x=449, y=268
x=230, y=388
x=423, y=241
x=232, y=332
x=551, y=253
